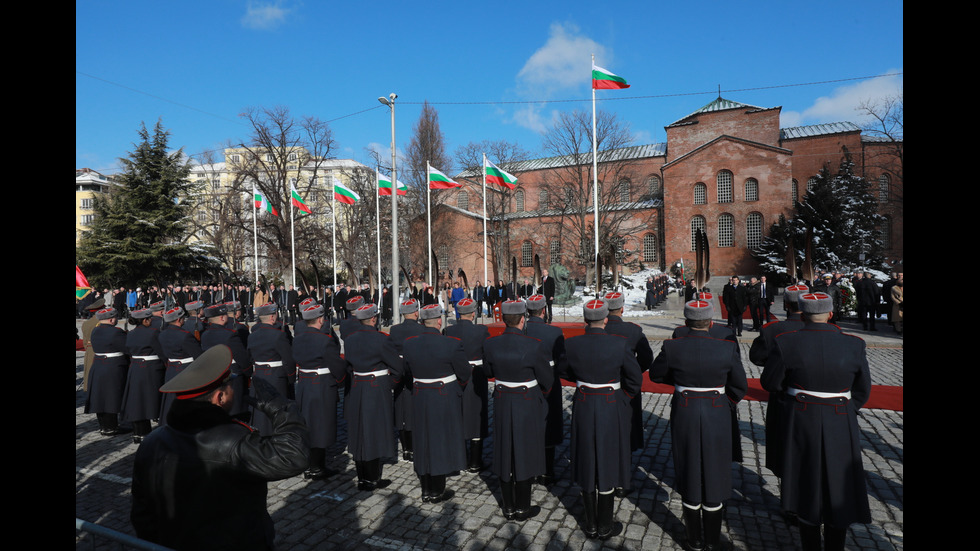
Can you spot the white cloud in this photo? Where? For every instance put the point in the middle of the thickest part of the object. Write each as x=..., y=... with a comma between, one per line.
x=843, y=104
x=264, y=15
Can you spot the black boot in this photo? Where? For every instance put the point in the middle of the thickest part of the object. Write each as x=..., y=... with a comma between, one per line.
x=406, y=438
x=507, y=498
x=833, y=538
x=809, y=537
x=438, y=489
x=692, y=527
x=522, y=501
x=318, y=465
x=712, y=528
x=548, y=478
x=476, y=456
x=604, y=515
x=426, y=490
x=589, y=525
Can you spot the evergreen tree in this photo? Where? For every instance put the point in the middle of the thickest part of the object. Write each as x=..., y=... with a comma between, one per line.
x=138, y=233
x=843, y=214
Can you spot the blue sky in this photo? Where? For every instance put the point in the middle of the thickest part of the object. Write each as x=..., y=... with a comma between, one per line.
x=493, y=71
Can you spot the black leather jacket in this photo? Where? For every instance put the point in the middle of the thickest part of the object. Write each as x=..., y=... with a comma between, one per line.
x=200, y=481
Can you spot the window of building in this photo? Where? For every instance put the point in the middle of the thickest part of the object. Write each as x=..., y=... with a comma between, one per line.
x=697, y=223
x=555, y=251
x=519, y=200
x=654, y=187
x=87, y=219
x=463, y=200
x=624, y=191
x=527, y=254
x=726, y=230
x=796, y=191
x=543, y=200
x=649, y=248
x=810, y=183
x=884, y=188
x=700, y=194
x=293, y=156
x=87, y=203
x=886, y=232
x=751, y=190
x=236, y=158
x=443, y=256
x=753, y=230
x=726, y=193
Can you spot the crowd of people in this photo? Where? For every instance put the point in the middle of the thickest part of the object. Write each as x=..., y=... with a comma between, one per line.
x=238, y=406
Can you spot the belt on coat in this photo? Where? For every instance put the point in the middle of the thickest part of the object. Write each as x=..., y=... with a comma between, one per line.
x=511, y=384
x=698, y=389
x=109, y=354
x=317, y=371
x=614, y=386
x=447, y=379
x=180, y=360
x=475, y=363
x=270, y=364
x=820, y=395
x=146, y=358
x=378, y=373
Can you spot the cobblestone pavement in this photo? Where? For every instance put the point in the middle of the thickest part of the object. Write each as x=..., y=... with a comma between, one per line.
x=332, y=514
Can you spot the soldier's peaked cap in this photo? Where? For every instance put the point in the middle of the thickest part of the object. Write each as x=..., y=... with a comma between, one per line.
x=208, y=372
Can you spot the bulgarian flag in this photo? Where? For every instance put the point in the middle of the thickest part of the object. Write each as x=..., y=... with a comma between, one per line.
x=262, y=203
x=298, y=201
x=384, y=186
x=438, y=180
x=497, y=176
x=82, y=288
x=343, y=193
x=605, y=80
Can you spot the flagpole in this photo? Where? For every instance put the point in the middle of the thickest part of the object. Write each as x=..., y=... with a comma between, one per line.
x=255, y=236
x=428, y=214
x=595, y=189
x=292, y=235
x=333, y=211
x=377, y=219
x=484, y=220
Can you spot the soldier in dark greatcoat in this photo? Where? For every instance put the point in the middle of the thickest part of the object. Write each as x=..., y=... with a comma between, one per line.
x=141, y=399
x=350, y=323
x=219, y=332
x=107, y=378
x=321, y=371
x=554, y=341
x=716, y=330
x=409, y=327
x=373, y=366
x=192, y=321
x=272, y=359
x=475, y=397
x=523, y=377
x=607, y=376
x=180, y=347
x=640, y=346
x=708, y=380
x=439, y=370
x=825, y=375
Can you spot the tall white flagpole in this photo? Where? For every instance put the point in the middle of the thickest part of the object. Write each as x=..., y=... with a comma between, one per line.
x=428, y=214
x=377, y=219
x=484, y=220
x=595, y=188
x=292, y=231
x=333, y=211
x=255, y=236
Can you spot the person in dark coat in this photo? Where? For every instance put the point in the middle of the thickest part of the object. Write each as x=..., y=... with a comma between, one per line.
x=409, y=327
x=716, y=330
x=523, y=377
x=321, y=371
x=607, y=376
x=141, y=398
x=475, y=397
x=553, y=339
x=439, y=369
x=868, y=297
x=201, y=481
x=753, y=296
x=548, y=290
x=766, y=298
x=829, y=286
x=373, y=366
x=272, y=359
x=340, y=297
x=759, y=354
x=350, y=323
x=219, y=332
x=180, y=347
x=826, y=378
x=708, y=380
x=735, y=299
x=107, y=378
x=234, y=323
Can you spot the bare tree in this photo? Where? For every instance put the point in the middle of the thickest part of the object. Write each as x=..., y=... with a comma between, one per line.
x=426, y=146
x=215, y=210
x=570, y=185
x=886, y=124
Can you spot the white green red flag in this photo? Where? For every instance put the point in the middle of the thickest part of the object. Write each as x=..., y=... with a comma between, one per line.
x=343, y=193
x=384, y=186
x=261, y=202
x=82, y=288
x=606, y=80
x=298, y=201
x=495, y=175
x=438, y=180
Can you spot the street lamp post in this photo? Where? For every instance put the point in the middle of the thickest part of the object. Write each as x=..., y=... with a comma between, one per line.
x=395, y=301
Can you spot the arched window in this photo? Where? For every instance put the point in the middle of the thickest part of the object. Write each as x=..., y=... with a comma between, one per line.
x=884, y=188
x=886, y=232
x=726, y=230
x=751, y=190
x=726, y=193
x=753, y=230
x=519, y=200
x=796, y=191
x=624, y=191
x=810, y=183
x=654, y=187
x=650, y=247
x=555, y=251
x=527, y=254
x=697, y=223
x=700, y=194
x=463, y=200
x=443, y=256
x=543, y=200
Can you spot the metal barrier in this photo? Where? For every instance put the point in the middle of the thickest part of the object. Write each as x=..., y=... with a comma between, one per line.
x=124, y=539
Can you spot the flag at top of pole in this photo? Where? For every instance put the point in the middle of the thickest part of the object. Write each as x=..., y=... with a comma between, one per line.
x=262, y=202
x=384, y=186
x=298, y=201
x=606, y=80
x=343, y=193
x=496, y=175
x=438, y=180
